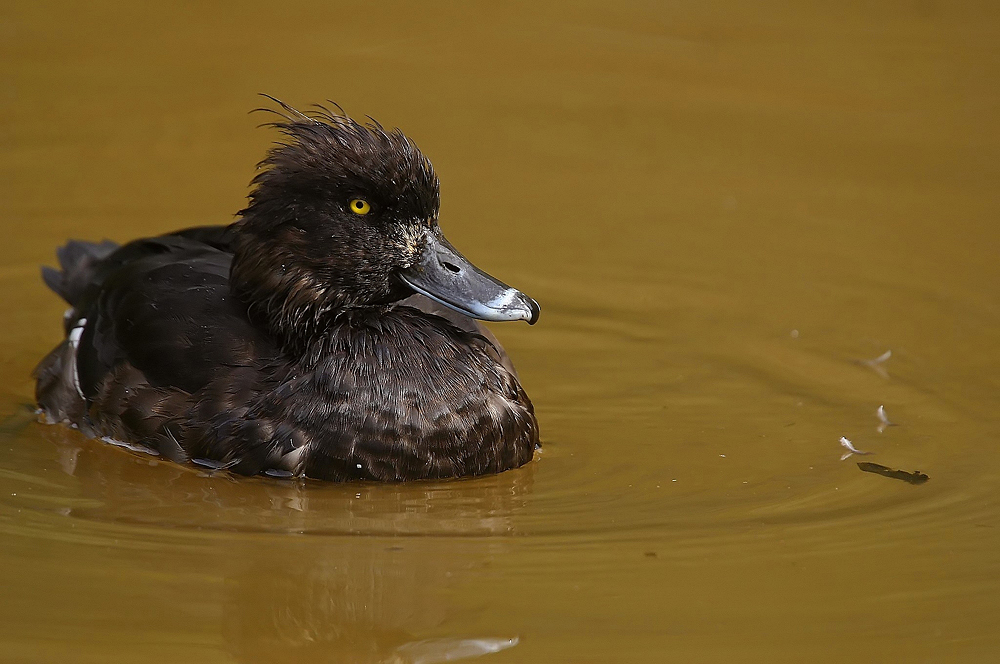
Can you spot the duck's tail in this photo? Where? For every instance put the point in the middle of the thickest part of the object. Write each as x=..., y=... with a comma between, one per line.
x=78, y=260
x=57, y=390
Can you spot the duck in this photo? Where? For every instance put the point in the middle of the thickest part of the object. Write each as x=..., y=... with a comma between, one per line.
x=330, y=332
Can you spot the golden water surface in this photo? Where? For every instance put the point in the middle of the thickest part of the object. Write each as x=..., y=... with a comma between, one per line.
x=726, y=210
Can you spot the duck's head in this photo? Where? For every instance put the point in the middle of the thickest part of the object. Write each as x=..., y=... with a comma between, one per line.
x=345, y=215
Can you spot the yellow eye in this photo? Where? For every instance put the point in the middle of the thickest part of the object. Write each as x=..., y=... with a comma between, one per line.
x=359, y=206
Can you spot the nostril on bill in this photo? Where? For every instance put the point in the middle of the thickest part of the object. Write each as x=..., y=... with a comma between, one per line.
x=451, y=266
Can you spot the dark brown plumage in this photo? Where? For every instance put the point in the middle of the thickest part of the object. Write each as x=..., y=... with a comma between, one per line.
x=280, y=344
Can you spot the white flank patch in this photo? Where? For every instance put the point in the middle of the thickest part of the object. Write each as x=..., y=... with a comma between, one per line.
x=130, y=446
x=74, y=343
x=293, y=461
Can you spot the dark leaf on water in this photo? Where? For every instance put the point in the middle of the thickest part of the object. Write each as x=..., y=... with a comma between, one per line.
x=916, y=477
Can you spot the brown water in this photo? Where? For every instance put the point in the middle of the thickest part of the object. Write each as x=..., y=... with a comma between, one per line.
x=722, y=210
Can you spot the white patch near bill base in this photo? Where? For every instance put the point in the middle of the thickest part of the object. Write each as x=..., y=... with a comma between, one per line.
x=74, y=343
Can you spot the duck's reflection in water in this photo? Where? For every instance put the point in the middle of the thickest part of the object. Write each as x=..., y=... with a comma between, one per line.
x=352, y=600
x=316, y=572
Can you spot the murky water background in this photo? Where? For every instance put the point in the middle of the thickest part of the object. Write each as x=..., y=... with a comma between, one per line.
x=723, y=209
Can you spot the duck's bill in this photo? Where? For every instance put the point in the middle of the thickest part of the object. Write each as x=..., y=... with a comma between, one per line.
x=446, y=276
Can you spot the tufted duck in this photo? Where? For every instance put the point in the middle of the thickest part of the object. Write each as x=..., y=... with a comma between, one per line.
x=327, y=333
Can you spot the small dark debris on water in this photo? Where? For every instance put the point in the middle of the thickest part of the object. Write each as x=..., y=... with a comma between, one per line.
x=850, y=448
x=916, y=477
x=651, y=554
x=883, y=419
